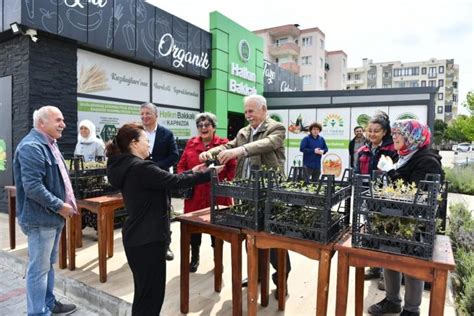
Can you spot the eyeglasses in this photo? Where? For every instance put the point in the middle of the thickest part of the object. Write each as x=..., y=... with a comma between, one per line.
x=201, y=125
x=396, y=133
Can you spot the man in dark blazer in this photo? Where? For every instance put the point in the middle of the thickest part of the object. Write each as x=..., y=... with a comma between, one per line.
x=163, y=149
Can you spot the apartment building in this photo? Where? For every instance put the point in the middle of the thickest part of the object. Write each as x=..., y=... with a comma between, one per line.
x=336, y=70
x=441, y=73
x=302, y=52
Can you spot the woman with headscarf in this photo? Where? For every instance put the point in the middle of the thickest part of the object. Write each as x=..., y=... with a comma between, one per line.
x=379, y=142
x=88, y=145
x=206, y=124
x=411, y=140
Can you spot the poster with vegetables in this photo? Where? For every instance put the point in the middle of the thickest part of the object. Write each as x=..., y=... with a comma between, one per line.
x=109, y=77
x=417, y=112
x=282, y=117
x=336, y=132
x=298, y=124
x=360, y=116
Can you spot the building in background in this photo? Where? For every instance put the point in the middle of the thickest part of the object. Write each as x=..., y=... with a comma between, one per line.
x=302, y=52
x=440, y=73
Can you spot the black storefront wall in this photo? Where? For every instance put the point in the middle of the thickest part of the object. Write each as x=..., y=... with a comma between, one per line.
x=277, y=79
x=43, y=73
x=128, y=28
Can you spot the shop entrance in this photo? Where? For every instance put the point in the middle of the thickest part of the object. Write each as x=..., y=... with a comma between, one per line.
x=235, y=122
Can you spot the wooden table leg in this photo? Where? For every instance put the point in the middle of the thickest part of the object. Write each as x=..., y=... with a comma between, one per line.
x=342, y=283
x=184, y=277
x=252, y=272
x=62, y=250
x=236, y=257
x=281, y=286
x=438, y=293
x=78, y=231
x=359, y=291
x=11, y=219
x=71, y=241
x=102, y=228
x=218, y=244
x=324, y=271
x=264, y=255
x=110, y=233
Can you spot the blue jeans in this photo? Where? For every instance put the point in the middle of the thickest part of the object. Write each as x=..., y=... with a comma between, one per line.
x=42, y=254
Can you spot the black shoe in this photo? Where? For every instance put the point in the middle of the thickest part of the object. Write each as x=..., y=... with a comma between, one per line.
x=384, y=307
x=276, y=292
x=372, y=273
x=63, y=309
x=193, y=266
x=245, y=282
x=407, y=313
x=169, y=255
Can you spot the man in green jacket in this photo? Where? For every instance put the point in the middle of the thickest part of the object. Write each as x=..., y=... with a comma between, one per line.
x=261, y=143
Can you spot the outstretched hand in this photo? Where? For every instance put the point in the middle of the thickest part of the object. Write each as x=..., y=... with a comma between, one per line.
x=385, y=163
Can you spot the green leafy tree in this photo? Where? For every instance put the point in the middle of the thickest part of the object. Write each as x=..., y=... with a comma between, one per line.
x=439, y=130
x=470, y=101
x=461, y=129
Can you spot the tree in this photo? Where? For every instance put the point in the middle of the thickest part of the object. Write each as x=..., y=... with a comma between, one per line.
x=461, y=129
x=470, y=101
x=439, y=130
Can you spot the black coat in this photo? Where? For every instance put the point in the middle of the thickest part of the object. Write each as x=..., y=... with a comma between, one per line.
x=424, y=161
x=165, y=152
x=144, y=188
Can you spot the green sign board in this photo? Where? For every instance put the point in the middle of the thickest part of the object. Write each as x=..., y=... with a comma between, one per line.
x=237, y=68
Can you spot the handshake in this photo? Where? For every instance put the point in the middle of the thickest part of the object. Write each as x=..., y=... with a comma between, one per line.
x=385, y=163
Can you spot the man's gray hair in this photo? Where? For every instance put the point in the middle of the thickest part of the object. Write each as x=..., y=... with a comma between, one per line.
x=206, y=116
x=150, y=106
x=259, y=100
x=42, y=114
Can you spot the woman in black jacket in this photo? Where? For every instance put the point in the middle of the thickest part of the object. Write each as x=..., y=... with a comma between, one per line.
x=146, y=232
x=411, y=139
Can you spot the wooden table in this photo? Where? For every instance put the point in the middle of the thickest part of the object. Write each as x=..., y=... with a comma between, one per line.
x=11, y=196
x=104, y=207
x=199, y=222
x=313, y=250
x=435, y=271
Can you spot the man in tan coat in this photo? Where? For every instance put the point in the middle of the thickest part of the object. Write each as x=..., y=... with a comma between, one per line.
x=261, y=143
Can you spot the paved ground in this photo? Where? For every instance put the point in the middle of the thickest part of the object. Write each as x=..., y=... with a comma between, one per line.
x=13, y=298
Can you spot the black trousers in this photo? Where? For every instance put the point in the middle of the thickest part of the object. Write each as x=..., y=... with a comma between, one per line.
x=148, y=265
x=314, y=174
x=196, y=240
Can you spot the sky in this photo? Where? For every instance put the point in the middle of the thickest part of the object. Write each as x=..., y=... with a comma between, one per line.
x=381, y=30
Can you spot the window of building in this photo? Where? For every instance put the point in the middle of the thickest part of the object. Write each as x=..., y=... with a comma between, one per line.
x=448, y=108
x=423, y=71
x=423, y=83
x=441, y=69
x=440, y=83
x=440, y=96
x=432, y=83
x=306, y=79
x=306, y=60
x=440, y=110
x=308, y=41
x=455, y=98
x=396, y=72
x=386, y=74
x=432, y=72
x=276, y=61
x=322, y=44
x=321, y=62
x=357, y=77
x=371, y=76
x=455, y=85
x=281, y=41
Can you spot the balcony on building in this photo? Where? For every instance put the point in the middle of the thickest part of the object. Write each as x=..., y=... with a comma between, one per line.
x=355, y=82
x=290, y=66
x=284, y=30
x=278, y=50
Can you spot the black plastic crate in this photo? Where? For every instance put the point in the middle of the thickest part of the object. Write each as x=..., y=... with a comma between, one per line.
x=313, y=211
x=249, y=200
x=394, y=222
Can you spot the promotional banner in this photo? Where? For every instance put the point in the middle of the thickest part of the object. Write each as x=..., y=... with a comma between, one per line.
x=298, y=123
x=6, y=151
x=175, y=90
x=108, y=77
x=417, y=112
x=109, y=116
x=336, y=132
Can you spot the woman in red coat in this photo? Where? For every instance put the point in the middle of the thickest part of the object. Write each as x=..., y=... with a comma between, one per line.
x=206, y=124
